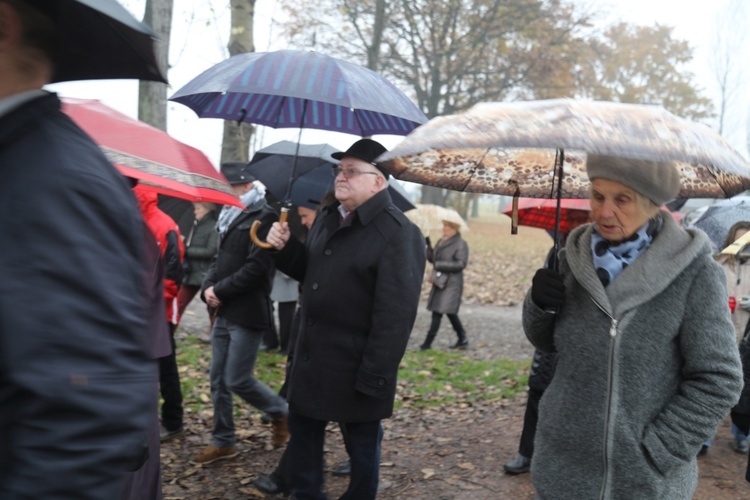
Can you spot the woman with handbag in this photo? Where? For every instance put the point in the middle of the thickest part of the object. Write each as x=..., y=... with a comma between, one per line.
x=449, y=258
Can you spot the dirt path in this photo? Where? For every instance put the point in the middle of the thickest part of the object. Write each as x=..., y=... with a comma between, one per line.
x=456, y=453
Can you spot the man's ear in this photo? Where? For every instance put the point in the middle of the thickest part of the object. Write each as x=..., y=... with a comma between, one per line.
x=10, y=26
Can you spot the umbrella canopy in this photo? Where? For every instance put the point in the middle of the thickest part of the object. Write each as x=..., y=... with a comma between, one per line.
x=720, y=217
x=510, y=148
x=430, y=217
x=275, y=167
x=150, y=155
x=301, y=89
x=99, y=39
x=542, y=213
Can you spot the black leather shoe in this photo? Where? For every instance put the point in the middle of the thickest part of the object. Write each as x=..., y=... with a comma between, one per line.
x=460, y=344
x=267, y=485
x=518, y=465
x=343, y=470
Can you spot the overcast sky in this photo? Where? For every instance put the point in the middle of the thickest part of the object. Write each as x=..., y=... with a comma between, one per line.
x=199, y=40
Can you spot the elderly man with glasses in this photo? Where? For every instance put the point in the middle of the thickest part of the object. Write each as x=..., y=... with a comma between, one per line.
x=361, y=267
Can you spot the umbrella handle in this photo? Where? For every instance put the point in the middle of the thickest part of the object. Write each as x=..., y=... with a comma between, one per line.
x=256, y=225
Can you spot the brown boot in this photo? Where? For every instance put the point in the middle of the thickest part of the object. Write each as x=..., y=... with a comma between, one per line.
x=280, y=432
x=213, y=453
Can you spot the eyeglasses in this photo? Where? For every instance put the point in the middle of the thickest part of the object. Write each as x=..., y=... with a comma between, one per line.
x=348, y=173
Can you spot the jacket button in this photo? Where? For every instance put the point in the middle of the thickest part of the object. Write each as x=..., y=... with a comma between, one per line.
x=381, y=382
x=310, y=322
x=315, y=286
x=328, y=252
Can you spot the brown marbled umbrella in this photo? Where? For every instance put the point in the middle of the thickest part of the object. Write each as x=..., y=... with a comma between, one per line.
x=510, y=148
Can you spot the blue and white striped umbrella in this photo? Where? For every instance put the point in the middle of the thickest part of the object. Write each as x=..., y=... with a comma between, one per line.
x=301, y=89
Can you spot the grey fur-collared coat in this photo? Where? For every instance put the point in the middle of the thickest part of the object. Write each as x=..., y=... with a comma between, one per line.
x=647, y=368
x=450, y=257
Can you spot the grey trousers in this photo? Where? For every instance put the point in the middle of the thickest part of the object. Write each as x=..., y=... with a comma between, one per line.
x=234, y=352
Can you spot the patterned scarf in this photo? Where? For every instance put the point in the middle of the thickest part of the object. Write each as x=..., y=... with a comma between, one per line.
x=610, y=259
x=228, y=214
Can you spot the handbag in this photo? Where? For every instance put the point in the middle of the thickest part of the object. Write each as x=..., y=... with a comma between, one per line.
x=438, y=279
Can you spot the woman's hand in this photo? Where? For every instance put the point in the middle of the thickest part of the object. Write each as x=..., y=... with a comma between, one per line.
x=548, y=289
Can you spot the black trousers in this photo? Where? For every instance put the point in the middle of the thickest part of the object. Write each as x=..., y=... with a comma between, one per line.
x=453, y=318
x=362, y=440
x=169, y=386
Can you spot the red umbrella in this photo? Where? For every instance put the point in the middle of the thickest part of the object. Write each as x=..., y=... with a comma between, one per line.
x=150, y=155
x=540, y=213
x=534, y=212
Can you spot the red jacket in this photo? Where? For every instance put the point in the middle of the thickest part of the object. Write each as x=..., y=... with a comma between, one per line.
x=172, y=250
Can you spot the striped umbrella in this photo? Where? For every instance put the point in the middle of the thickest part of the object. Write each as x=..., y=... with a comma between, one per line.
x=301, y=89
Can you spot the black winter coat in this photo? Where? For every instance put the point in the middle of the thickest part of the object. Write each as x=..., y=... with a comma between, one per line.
x=242, y=273
x=75, y=382
x=361, y=285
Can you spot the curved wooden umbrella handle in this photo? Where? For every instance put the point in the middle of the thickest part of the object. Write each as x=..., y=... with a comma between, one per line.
x=256, y=225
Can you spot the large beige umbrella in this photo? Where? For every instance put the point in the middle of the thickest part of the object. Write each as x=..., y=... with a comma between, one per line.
x=537, y=149
x=430, y=218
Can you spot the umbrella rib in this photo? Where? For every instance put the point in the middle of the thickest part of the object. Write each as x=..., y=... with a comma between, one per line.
x=474, y=169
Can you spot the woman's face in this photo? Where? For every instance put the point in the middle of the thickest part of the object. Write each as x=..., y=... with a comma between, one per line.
x=199, y=210
x=448, y=231
x=615, y=211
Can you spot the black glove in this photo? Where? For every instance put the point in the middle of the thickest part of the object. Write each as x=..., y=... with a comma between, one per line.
x=428, y=242
x=547, y=289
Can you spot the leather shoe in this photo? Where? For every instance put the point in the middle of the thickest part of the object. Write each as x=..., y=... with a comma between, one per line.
x=343, y=470
x=267, y=485
x=518, y=465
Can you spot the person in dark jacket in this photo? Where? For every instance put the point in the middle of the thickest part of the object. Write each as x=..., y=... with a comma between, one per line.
x=361, y=267
x=449, y=258
x=171, y=251
x=76, y=384
x=200, y=248
x=740, y=414
x=237, y=286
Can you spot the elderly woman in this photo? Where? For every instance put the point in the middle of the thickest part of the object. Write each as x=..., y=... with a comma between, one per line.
x=647, y=360
x=449, y=258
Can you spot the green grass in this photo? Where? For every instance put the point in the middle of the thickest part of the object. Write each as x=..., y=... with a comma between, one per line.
x=426, y=379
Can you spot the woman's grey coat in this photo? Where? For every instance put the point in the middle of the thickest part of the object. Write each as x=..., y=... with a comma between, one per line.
x=647, y=369
x=449, y=256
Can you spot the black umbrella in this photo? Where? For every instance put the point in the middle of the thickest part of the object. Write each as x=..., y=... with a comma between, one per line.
x=100, y=39
x=275, y=165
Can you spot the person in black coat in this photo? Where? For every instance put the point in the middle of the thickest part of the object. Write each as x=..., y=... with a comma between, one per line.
x=361, y=267
x=238, y=286
x=76, y=384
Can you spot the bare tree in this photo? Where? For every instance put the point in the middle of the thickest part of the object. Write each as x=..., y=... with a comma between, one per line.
x=152, y=96
x=236, y=142
x=728, y=57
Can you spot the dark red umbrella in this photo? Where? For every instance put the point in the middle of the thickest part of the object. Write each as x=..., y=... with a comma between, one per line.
x=541, y=213
x=150, y=155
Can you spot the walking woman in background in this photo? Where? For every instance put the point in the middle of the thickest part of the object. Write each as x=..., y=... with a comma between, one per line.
x=449, y=258
x=200, y=248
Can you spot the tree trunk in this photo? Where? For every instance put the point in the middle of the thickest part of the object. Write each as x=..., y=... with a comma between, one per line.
x=236, y=142
x=152, y=96
x=475, y=205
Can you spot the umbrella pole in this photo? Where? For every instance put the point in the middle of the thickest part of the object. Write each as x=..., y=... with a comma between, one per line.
x=559, y=161
x=286, y=205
